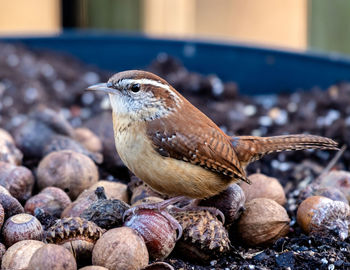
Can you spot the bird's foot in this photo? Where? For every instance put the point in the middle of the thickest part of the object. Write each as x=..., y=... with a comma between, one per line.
x=193, y=206
x=160, y=207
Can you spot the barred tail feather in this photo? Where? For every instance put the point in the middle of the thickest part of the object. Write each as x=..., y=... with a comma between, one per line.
x=251, y=148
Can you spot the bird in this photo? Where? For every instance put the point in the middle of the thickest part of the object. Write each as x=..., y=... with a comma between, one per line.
x=176, y=149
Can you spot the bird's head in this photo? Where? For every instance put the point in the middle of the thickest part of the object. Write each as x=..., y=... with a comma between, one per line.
x=140, y=95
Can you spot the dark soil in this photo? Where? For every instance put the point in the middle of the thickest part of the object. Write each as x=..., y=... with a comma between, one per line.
x=30, y=78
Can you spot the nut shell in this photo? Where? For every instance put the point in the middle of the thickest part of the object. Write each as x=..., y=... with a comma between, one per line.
x=18, y=180
x=71, y=171
x=52, y=200
x=21, y=227
x=9, y=152
x=157, y=231
x=263, y=222
x=320, y=215
x=88, y=139
x=263, y=186
x=203, y=237
x=52, y=257
x=93, y=267
x=120, y=248
x=75, y=234
x=337, y=179
x=19, y=254
x=113, y=190
x=10, y=204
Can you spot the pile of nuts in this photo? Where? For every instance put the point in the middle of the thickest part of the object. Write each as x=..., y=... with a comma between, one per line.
x=65, y=196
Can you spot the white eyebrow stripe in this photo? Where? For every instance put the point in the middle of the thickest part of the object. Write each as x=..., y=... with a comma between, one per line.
x=125, y=82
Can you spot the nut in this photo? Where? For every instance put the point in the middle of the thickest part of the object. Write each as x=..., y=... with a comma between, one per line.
x=230, y=202
x=88, y=139
x=120, y=248
x=52, y=257
x=337, y=179
x=71, y=171
x=104, y=212
x=21, y=227
x=10, y=204
x=8, y=151
x=113, y=190
x=262, y=222
x=156, y=229
x=52, y=200
x=320, y=215
x=59, y=143
x=2, y=216
x=331, y=193
x=263, y=186
x=6, y=136
x=19, y=254
x=93, y=267
x=158, y=266
x=203, y=237
x=18, y=180
x=75, y=234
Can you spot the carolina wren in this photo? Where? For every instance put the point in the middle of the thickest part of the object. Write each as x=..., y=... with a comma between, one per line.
x=177, y=150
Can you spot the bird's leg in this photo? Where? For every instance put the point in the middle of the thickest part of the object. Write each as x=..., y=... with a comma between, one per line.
x=194, y=206
x=161, y=208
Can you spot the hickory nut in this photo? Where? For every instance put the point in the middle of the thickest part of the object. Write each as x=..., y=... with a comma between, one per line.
x=320, y=215
x=88, y=139
x=263, y=222
x=263, y=186
x=120, y=248
x=71, y=171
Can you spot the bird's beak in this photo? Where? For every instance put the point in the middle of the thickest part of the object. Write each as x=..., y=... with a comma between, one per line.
x=104, y=87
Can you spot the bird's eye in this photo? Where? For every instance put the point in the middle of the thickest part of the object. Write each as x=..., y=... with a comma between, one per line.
x=135, y=87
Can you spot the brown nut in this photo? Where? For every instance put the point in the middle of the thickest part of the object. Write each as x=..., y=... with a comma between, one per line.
x=230, y=202
x=113, y=190
x=158, y=266
x=53, y=257
x=263, y=222
x=142, y=191
x=21, y=227
x=88, y=139
x=19, y=254
x=9, y=152
x=2, y=216
x=18, y=180
x=337, y=179
x=52, y=200
x=120, y=248
x=203, y=237
x=104, y=212
x=157, y=230
x=75, y=234
x=59, y=143
x=263, y=186
x=320, y=215
x=10, y=204
x=331, y=193
x=73, y=172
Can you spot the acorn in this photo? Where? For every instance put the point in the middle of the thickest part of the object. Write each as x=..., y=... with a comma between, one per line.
x=337, y=179
x=158, y=266
x=88, y=139
x=10, y=204
x=320, y=215
x=120, y=248
x=75, y=234
x=19, y=254
x=262, y=222
x=157, y=228
x=71, y=171
x=104, y=212
x=21, y=227
x=203, y=238
x=9, y=152
x=18, y=180
x=263, y=186
x=52, y=257
x=52, y=200
x=230, y=202
x=2, y=216
x=59, y=143
x=37, y=131
x=113, y=190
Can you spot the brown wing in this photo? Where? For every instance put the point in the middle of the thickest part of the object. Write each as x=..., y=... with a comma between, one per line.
x=196, y=139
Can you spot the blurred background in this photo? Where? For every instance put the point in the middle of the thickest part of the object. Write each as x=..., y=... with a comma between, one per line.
x=292, y=24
